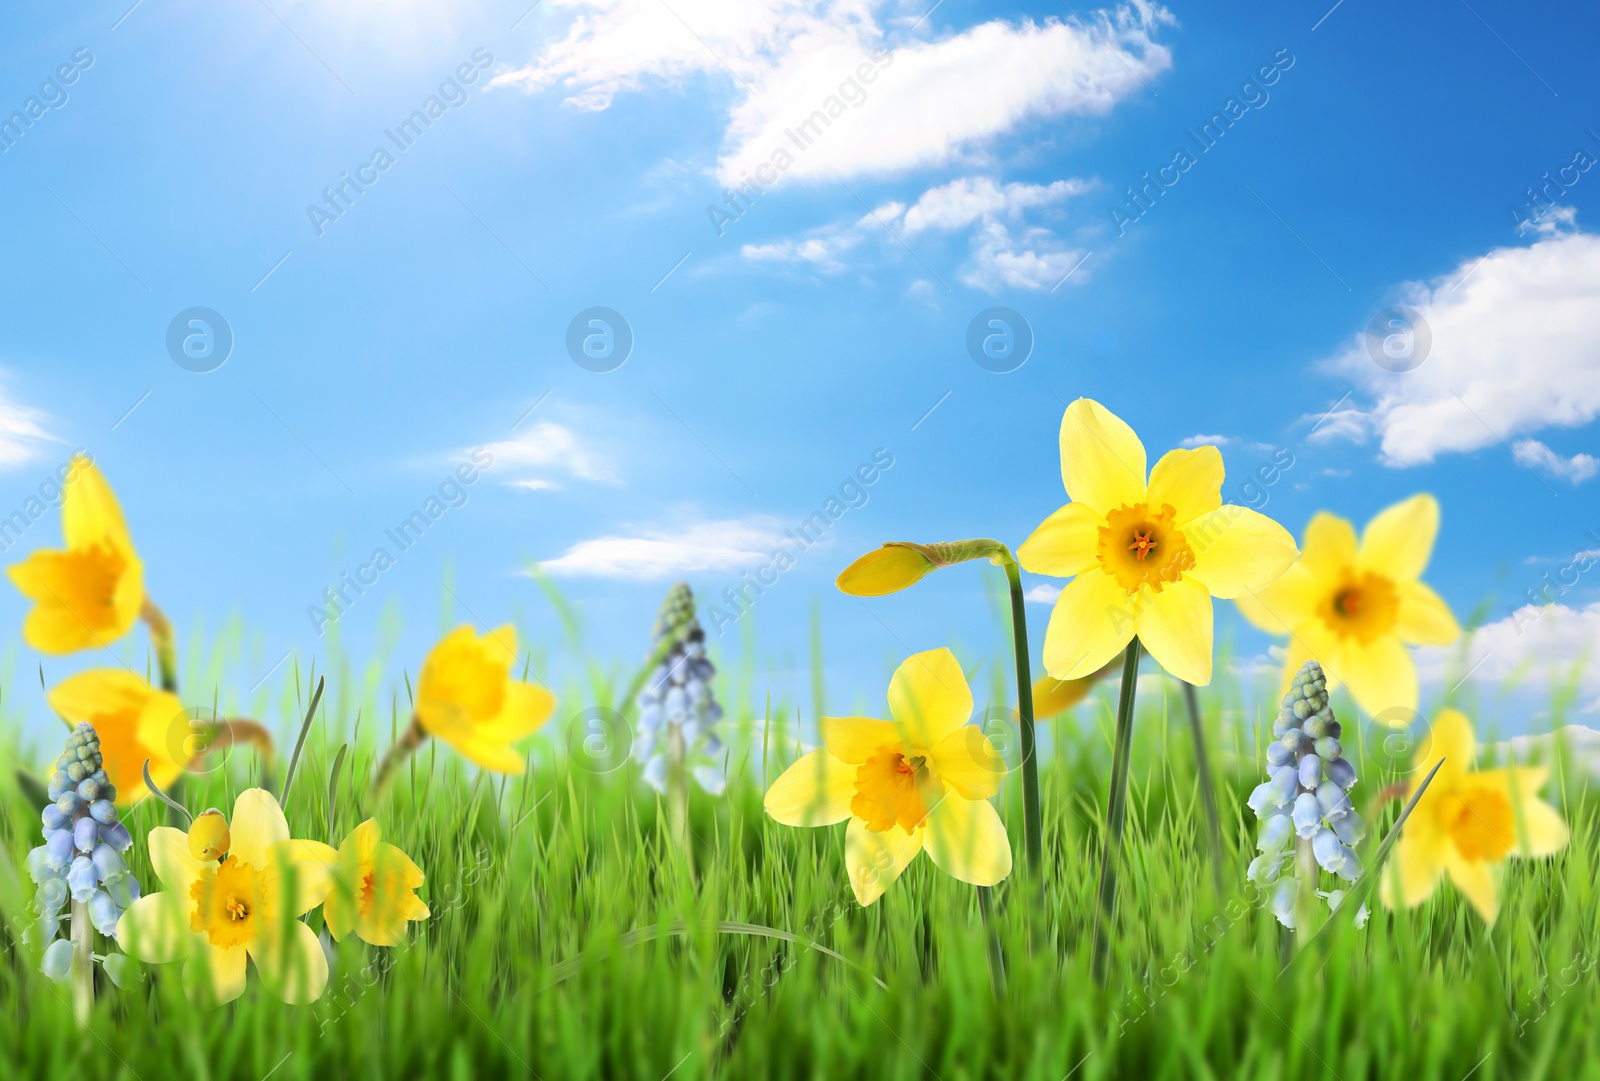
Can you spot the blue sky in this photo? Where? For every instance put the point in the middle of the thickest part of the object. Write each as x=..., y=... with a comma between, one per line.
x=570, y=156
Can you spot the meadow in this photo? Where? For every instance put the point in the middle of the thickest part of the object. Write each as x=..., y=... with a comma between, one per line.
x=572, y=935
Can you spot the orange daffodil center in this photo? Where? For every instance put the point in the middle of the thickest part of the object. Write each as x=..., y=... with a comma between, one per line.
x=894, y=789
x=1355, y=607
x=1146, y=552
x=920, y=781
x=1467, y=822
x=228, y=902
x=1142, y=547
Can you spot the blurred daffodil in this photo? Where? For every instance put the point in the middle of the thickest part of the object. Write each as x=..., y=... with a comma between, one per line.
x=1145, y=555
x=1468, y=822
x=1355, y=608
x=1052, y=696
x=467, y=697
x=135, y=722
x=920, y=781
x=90, y=594
x=214, y=914
x=372, y=886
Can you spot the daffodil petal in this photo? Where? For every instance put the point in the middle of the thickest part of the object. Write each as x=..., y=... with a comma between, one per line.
x=1477, y=881
x=500, y=644
x=169, y=855
x=214, y=975
x=1065, y=544
x=1091, y=623
x=1285, y=604
x=1175, y=625
x=1102, y=460
x=1238, y=552
x=967, y=762
x=155, y=928
x=309, y=866
x=929, y=697
x=856, y=739
x=1052, y=696
x=291, y=963
x=1451, y=739
x=884, y=570
x=99, y=691
x=874, y=860
x=527, y=706
x=1410, y=877
x=257, y=824
x=815, y=791
x=1329, y=549
x=1542, y=829
x=490, y=754
x=967, y=840
x=1424, y=617
x=90, y=512
x=361, y=844
x=1382, y=677
x=1189, y=481
x=1398, y=542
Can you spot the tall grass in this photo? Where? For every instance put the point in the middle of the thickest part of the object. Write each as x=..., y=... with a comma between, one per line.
x=569, y=938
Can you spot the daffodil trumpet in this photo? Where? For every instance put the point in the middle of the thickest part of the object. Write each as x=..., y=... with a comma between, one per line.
x=899, y=564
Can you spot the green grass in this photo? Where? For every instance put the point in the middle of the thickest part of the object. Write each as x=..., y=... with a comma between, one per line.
x=570, y=939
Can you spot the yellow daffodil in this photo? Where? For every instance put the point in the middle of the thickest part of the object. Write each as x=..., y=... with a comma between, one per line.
x=372, y=886
x=214, y=914
x=922, y=780
x=1052, y=696
x=89, y=595
x=467, y=697
x=1145, y=556
x=1468, y=821
x=134, y=721
x=1354, y=608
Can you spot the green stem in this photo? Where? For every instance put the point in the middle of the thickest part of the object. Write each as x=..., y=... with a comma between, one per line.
x=409, y=741
x=997, y=959
x=81, y=973
x=678, y=792
x=1116, y=812
x=1032, y=832
x=1305, y=898
x=166, y=645
x=1208, y=792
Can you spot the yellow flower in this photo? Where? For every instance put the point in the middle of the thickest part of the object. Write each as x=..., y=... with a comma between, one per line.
x=1053, y=696
x=215, y=914
x=922, y=780
x=89, y=595
x=1354, y=608
x=466, y=697
x=371, y=886
x=134, y=722
x=1145, y=557
x=1468, y=821
x=884, y=570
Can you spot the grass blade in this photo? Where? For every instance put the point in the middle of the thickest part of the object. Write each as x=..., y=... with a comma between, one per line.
x=299, y=744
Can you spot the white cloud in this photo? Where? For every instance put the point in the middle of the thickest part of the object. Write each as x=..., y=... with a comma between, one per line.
x=1576, y=469
x=22, y=433
x=549, y=447
x=965, y=200
x=822, y=249
x=1515, y=349
x=801, y=62
x=647, y=554
x=1043, y=593
x=1205, y=441
x=1533, y=643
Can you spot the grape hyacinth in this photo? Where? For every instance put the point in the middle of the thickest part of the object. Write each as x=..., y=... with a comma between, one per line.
x=81, y=858
x=1305, y=798
x=678, y=702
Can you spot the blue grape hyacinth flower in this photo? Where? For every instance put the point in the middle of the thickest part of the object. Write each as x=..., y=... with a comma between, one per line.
x=679, y=701
x=81, y=857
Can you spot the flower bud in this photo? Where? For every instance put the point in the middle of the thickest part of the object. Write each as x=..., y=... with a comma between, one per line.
x=81, y=879
x=1310, y=772
x=1284, y=781
x=103, y=911
x=103, y=811
x=208, y=836
x=1283, y=897
x=86, y=834
x=1333, y=801
x=58, y=850
x=57, y=960
x=116, y=835
x=1327, y=748
x=1278, y=755
x=1307, y=815
x=884, y=570
x=1342, y=773
x=1350, y=828
x=53, y=819
x=1275, y=833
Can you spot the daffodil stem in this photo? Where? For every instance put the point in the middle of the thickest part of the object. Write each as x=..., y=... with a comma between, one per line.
x=1032, y=832
x=165, y=644
x=1208, y=793
x=1116, y=812
x=81, y=971
x=408, y=742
